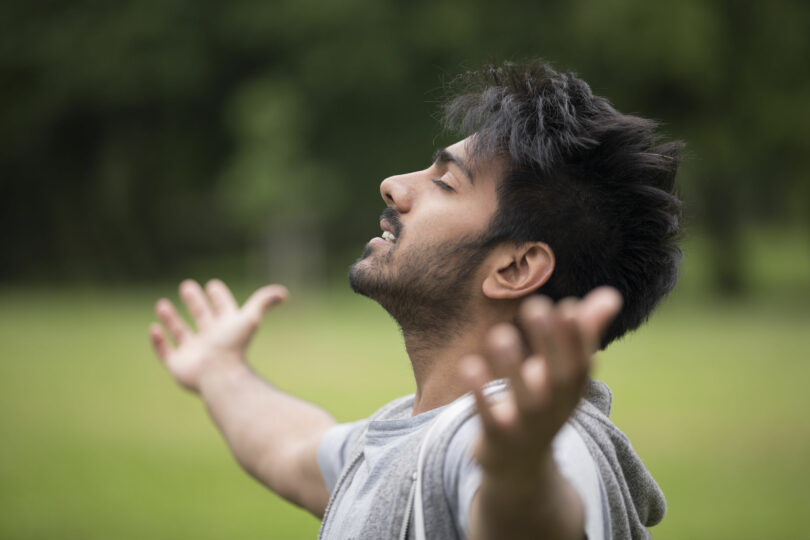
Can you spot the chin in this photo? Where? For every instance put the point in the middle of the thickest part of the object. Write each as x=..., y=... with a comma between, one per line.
x=360, y=272
x=367, y=276
x=358, y=276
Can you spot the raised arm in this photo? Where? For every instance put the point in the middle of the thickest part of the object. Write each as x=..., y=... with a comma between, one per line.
x=522, y=493
x=274, y=436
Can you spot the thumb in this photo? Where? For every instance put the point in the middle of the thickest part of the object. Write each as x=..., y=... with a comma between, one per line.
x=262, y=299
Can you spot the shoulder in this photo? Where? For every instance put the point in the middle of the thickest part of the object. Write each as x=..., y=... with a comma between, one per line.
x=335, y=448
x=576, y=463
x=340, y=442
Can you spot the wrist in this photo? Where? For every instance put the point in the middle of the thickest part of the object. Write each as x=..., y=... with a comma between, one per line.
x=522, y=475
x=519, y=495
x=538, y=503
x=227, y=371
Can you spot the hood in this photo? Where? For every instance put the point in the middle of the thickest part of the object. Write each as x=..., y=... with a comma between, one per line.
x=636, y=502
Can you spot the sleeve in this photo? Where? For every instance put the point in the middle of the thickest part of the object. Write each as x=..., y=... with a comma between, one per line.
x=462, y=477
x=333, y=450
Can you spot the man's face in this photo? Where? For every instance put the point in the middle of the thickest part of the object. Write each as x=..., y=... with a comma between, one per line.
x=422, y=268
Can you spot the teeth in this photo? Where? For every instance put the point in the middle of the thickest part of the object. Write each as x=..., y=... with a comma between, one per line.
x=388, y=236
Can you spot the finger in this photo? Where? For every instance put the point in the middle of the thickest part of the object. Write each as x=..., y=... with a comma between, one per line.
x=535, y=375
x=502, y=349
x=568, y=361
x=597, y=310
x=168, y=315
x=261, y=300
x=221, y=297
x=506, y=356
x=159, y=341
x=475, y=373
x=534, y=317
x=197, y=303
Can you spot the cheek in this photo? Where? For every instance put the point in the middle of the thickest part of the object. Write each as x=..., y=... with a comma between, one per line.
x=450, y=218
x=470, y=220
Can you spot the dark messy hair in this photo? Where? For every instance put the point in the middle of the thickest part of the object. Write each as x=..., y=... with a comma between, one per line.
x=594, y=184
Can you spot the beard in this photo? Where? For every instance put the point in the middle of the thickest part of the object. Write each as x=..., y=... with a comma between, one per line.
x=429, y=291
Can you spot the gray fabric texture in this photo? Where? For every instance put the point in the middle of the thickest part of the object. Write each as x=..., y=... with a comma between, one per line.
x=633, y=497
x=636, y=502
x=384, y=520
x=462, y=476
x=461, y=472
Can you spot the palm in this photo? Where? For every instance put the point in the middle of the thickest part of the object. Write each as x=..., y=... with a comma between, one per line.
x=224, y=330
x=545, y=386
x=188, y=360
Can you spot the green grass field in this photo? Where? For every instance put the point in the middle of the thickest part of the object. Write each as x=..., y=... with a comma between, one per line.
x=98, y=443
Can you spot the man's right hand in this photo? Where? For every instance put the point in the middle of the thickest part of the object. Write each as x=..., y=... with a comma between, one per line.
x=224, y=330
x=273, y=435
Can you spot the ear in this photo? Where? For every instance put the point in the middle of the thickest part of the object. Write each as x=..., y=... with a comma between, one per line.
x=517, y=271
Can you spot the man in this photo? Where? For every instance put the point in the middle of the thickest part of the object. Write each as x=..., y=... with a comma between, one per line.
x=550, y=191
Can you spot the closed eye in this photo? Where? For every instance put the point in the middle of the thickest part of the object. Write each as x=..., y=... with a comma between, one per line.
x=443, y=185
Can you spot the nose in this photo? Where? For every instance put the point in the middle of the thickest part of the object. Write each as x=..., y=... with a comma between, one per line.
x=397, y=192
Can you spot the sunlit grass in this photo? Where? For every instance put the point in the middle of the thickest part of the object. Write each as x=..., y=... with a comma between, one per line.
x=97, y=442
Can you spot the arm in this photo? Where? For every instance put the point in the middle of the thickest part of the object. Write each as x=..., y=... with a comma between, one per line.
x=522, y=493
x=274, y=436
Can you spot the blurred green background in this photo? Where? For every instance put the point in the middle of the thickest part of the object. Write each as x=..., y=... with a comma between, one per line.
x=143, y=142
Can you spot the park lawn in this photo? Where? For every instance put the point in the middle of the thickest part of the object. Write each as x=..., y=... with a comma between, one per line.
x=98, y=443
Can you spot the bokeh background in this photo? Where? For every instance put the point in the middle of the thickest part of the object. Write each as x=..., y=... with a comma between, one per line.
x=143, y=142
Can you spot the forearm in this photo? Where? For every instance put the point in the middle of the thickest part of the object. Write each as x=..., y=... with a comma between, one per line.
x=541, y=504
x=273, y=435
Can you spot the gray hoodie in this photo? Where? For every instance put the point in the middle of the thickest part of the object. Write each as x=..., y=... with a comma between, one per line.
x=634, y=499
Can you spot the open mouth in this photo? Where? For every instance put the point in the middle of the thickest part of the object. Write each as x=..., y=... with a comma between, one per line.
x=389, y=223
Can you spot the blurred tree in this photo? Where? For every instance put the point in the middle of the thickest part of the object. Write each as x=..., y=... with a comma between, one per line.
x=137, y=136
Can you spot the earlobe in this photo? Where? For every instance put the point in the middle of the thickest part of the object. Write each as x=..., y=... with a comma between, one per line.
x=518, y=270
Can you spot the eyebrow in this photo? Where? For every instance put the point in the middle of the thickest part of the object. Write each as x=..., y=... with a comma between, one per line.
x=442, y=157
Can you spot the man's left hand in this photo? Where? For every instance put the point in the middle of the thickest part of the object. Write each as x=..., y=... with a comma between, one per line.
x=547, y=372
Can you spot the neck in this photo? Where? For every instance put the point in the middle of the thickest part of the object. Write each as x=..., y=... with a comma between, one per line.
x=436, y=358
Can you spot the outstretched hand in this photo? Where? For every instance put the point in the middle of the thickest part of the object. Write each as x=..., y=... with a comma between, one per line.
x=545, y=385
x=224, y=330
